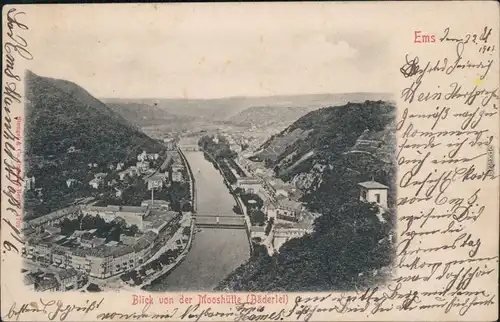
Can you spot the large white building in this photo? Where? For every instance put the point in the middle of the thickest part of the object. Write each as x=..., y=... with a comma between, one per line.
x=142, y=166
x=249, y=184
x=132, y=215
x=284, y=210
x=170, y=144
x=284, y=232
x=101, y=262
x=177, y=176
x=29, y=183
x=130, y=172
x=157, y=181
x=95, y=183
x=372, y=191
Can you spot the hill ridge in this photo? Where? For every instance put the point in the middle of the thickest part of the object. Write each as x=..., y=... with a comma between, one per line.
x=62, y=116
x=222, y=109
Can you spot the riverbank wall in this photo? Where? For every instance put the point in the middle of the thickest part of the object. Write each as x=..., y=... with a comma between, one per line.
x=164, y=272
x=191, y=180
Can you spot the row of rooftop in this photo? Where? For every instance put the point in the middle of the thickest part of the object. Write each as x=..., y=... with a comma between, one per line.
x=86, y=252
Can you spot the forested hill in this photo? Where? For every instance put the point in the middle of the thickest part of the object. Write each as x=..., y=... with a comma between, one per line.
x=328, y=152
x=60, y=117
x=61, y=114
x=148, y=115
x=269, y=116
x=357, y=137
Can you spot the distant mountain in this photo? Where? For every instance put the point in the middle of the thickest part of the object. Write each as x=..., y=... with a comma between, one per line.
x=223, y=109
x=268, y=116
x=61, y=115
x=209, y=109
x=326, y=153
x=158, y=122
x=148, y=115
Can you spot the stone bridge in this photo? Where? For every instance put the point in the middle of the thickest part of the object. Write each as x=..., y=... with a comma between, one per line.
x=219, y=221
x=189, y=147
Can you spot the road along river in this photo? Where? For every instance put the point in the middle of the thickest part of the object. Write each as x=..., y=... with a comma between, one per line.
x=215, y=252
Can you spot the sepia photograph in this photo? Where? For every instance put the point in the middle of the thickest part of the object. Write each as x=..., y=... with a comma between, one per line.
x=231, y=155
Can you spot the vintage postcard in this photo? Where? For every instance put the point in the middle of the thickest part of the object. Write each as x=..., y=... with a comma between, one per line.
x=250, y=162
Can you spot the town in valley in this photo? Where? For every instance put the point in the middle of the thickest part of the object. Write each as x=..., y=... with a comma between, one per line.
x=159, y=219
x=164, y=168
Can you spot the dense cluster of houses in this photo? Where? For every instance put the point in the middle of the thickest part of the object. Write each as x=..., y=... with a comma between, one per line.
x=291, y=221
x=84, y=252
x=144, y=156
x=281, y=202
x=177, y=167
x=142, y=167
x=64, y=280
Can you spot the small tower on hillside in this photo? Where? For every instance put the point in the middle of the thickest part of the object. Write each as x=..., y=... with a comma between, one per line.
x=372, y=191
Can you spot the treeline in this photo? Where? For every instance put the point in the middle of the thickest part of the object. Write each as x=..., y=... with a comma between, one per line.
x=219, y=149
x=235, y=166
x=221, y=153
x=165, y=259
x=109, y=230
x=254, y=205
x=177, y=194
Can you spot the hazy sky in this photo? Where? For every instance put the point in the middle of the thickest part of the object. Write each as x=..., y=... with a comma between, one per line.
x=208, y=51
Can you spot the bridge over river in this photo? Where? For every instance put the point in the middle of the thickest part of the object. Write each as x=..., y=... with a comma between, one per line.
x=220, y=243
x=217, y=221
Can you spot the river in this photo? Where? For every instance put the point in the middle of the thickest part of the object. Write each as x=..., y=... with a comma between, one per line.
x=215, y=252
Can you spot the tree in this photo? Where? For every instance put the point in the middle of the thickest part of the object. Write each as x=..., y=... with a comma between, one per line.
x=114, y=234
x=126, y=277
x=68, y=226
x=258, y=202
x=237, y=210
x=93, y=288
x=88, y=222
x=131, y=231
x=257, y=217
x=186, y=207
x=137, y=280
x=259, y=250
x=178, y=192
x=269, y=226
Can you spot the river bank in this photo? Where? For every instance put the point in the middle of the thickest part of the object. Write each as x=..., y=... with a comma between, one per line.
x=167, y=269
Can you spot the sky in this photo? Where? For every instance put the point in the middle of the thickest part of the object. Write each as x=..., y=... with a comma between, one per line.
x=208, y=51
